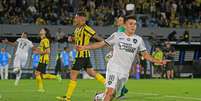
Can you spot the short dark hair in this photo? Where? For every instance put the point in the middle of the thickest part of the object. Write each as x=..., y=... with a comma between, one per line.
x=129, y=17
x=80, y=13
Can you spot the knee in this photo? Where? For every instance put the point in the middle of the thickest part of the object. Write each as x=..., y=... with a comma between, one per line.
x=37, y=73
x=110, y=93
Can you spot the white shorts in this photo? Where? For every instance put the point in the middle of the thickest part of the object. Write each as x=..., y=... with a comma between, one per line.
x=20, y=61
x=115, y=80
x=3, y=67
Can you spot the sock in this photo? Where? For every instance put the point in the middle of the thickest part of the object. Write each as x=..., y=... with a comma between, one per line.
x=39, y=82
x=49, y=76
x=100, y=78
x=71, y=87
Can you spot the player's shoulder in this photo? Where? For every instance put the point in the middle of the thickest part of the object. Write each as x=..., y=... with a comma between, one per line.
x=137, y=36
x=45, y=40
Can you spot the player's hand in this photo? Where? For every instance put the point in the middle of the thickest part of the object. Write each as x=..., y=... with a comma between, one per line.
x=80, y=48
x=163, y=62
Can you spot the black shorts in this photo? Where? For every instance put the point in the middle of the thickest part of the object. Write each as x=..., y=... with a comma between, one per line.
x=81, y=63
x=170, y=66
x=41, y=68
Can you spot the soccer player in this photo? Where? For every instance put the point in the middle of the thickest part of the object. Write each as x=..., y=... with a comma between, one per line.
x=21, y=55
x=121, y=28
x=44, y=51
x=5, y=59
x=125, y=46
x=82, y=35
x=35, y=61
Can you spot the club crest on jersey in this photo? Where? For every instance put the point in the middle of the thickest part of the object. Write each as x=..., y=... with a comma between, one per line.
x=135, y=41
x=128, y=39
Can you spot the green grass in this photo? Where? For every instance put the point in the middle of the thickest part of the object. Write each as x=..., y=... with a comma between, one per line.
x=139, y=90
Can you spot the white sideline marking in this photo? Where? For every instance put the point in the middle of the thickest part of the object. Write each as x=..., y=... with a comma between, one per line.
x=151, y=94
x=167, y=96
x=183, y=97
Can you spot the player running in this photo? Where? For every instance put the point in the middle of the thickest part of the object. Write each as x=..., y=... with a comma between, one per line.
x=82, y=35
x=125, y=47
x=21, y=55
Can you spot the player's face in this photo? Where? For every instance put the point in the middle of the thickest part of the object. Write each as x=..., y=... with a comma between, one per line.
x=23, y=35
x=130, y=26
x=42, y=33
x=3, y=49
x=76, y=20
x=120, y=21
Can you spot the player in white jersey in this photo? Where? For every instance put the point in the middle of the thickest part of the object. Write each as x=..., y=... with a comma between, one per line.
x=125, y=47
x=21, y=54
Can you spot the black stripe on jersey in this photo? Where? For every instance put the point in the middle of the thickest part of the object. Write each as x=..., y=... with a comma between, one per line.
x=84, y=53
x=89, y=32
x=107, y=43
x=83, y=39
x=78, y=54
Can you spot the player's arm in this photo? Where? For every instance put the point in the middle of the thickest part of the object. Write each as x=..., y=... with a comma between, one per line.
x=92, y=46
x=9, y=43
x=148, y=57
x=98, y=38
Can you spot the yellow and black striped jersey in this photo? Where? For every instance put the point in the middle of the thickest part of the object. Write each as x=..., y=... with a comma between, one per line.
x=44, y=44
x=82, y=37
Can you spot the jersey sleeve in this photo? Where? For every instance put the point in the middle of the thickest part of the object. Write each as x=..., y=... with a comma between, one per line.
x=89, y=31
x=142, y=46
x=111, y=39
x=30, y=44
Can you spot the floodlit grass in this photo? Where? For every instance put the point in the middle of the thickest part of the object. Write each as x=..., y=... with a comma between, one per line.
x=139, y=90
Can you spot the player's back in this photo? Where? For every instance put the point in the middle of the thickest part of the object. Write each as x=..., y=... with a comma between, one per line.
x=23, y=46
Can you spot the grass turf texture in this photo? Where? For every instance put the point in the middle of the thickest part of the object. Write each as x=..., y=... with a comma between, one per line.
x=139, y=90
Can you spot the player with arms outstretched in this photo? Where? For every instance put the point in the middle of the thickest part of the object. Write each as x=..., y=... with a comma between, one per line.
x=21, y=55
x=125, y=47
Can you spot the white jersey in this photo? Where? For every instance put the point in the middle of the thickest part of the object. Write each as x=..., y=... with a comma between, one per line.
x=23, y=46
x=125, y=49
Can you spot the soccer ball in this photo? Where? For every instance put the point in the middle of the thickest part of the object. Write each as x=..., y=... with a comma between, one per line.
x=99, y=97
x=16, y=70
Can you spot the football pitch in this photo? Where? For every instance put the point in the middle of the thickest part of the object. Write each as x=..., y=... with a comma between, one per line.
x=139, y=90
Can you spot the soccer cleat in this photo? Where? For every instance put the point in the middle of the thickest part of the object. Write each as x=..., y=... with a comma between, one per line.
x=62, y=98
x=59, y=78
x=41, y=90
x=123, y=92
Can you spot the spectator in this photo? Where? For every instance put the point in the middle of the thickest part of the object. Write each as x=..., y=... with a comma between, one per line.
x=170, y=53
x=5, y=60
x=172, y=36
x=158, y=54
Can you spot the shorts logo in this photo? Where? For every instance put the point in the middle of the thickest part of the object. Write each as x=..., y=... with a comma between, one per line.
x=109, y=82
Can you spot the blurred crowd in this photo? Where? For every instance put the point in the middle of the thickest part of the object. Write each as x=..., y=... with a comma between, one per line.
x=150, y=13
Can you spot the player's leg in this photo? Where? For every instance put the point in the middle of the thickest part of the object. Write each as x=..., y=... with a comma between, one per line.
x=172, y=70
x=17, y=69
x=92, y=72
x=6, y=72
x=72, y=85
x=77, y=66
x=1, y=71
x=40, y=70
x=120, y=86
x=111, y=83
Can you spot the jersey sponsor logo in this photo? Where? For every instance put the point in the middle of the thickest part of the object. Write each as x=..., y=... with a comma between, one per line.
x=127, y=47
x=121, y=38
x=134, y=41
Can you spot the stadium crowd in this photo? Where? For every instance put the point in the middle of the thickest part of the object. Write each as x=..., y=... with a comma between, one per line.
x=151, y=13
